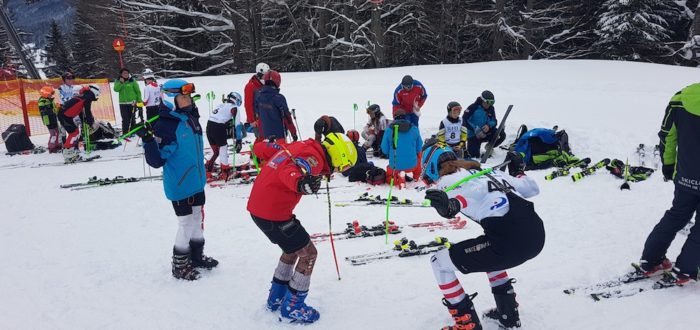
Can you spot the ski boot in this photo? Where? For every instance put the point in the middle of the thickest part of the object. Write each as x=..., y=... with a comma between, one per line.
x=294, y=310
x=463, y=313
x=644, y=270
x=199, y=259
x=71, y=155
x=225, y=172
x=278, y=291
x=506, y=311
x=182, y=267
x=672, y=278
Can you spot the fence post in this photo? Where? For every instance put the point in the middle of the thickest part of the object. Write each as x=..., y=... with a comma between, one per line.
x=25, y=110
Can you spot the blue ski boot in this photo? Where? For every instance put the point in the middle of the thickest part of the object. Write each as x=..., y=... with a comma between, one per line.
x=294, y=310
x=277, y=292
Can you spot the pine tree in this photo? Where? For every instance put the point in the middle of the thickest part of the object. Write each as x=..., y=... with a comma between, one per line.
x=58, y=56
x=632, y=30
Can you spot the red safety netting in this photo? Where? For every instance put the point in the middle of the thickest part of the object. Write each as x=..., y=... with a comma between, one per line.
x=19, y=102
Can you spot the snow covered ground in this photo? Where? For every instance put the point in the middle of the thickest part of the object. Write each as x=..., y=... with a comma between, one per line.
x=100, y=258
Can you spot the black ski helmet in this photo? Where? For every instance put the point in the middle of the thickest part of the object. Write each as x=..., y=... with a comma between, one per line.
x=487, y=95
x=452, y=105
x=374, y=108
x=407, y=81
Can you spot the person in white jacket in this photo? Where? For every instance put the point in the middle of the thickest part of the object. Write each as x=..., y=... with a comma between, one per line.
x=151, y=94
x=513, y=232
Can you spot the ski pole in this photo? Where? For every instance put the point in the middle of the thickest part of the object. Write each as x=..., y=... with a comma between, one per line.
x=210, y=97
x=395, y=138
x=137, y=128
x=233, y=133
x=426, y=202
x=330, y=228
x=294, y=115
x=354, y=111
x=254, y=159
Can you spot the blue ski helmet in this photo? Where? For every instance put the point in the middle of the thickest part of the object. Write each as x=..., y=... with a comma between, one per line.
x=432, y=158
x=234, y=98
x=172, y=87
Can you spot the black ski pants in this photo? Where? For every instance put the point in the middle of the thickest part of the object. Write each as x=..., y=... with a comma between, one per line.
x=128, y=112
x=685, y=203
x=474, y=143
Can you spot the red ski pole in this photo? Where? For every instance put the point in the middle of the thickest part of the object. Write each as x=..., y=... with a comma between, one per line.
x=330, y=228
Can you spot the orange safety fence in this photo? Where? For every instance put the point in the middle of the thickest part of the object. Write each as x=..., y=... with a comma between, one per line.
x=19, y=102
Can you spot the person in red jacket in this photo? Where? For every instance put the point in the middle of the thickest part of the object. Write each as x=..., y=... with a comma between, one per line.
x=409, y=96
x=294, y=170
x=253, y=85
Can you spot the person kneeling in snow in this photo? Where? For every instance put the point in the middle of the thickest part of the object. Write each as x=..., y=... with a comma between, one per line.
x=363, y=171
x=175, y=143
x=513, y=232
x=295, y=170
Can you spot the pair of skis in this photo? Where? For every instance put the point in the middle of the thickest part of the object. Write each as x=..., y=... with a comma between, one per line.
x=377, y=200
x=589, y=170
x=403, y=248
x=566, y=170
x=355, y=230
x=627, y=285
x=642, y=155
x=94, y=182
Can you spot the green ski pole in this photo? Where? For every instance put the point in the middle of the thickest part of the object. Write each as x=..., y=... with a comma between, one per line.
x=354, y=111
x=137, y=128
x=391, y=184
x=426, y=202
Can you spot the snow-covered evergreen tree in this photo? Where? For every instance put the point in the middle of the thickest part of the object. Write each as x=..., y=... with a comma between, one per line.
x=58, y=57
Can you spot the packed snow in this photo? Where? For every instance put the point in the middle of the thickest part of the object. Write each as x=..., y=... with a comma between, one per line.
x=100, y=258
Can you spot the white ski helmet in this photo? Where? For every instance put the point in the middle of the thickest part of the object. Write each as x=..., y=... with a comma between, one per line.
x=148, y=74
x=261, y=69
x=92, y=88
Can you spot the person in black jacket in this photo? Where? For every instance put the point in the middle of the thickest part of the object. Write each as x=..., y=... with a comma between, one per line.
x=326, y=125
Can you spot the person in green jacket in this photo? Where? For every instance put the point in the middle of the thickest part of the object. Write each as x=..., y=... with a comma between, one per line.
x=129, y=95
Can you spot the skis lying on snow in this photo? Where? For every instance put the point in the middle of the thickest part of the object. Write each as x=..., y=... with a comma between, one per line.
x=240, y=180
x=586, y=171
x=564, y=171
x=94, y=182
x=367, y=199
x=641, y=152
x=355, y=230
x=403, y=248
x=81, y=160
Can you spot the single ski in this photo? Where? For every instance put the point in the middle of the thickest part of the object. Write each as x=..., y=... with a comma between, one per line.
x=456, y=223
x=94, y=181
x=355, y=230
x=489, y=146
x=403, y=248
x=367, y=199
x=564, y=171
x=590, y=170
x=36, y=150
x=657, y=156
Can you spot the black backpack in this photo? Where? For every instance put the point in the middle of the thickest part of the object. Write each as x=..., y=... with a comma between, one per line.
x=16, y=138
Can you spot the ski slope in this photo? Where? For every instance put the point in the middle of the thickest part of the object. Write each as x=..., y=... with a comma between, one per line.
x=100, y=258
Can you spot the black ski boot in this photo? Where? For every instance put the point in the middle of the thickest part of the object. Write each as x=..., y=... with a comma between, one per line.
x=199, y=260
x=506, y=311
x=464, y=314
x=182, y=267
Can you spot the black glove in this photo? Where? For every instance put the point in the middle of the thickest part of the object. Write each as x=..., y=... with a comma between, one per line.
x=295, y=138
x=309, y=184
x=445, y=206
x=668, y=170
x=146, y=133
x=239, y=146
x=517, y=164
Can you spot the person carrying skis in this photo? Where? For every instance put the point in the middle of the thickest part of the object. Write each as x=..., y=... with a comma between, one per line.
x=513, y=232
x=151, y=94
x=48, y=111
x=326, y=125
x=295, y=170
x=79, y=106
x=409, y=96
x=481, y=121
x=681, y=163
x=251, y=88
x=453, y=130
x=129, y=95
x=175, y=143
x=274, y=118
x=374, y=130
x=217, y=128
x=402, y=143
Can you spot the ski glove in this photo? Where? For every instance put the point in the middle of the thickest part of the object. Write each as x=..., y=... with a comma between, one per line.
x=445, y=206
x=517, y=165
x=146, y=133
x=309, y=184
x=668, y=170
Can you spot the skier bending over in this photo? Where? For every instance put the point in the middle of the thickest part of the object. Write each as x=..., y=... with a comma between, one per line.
x=513, y=232
x=294, y=170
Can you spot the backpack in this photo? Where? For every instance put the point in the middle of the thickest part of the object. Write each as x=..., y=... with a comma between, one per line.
x=103, y=131
x=16, y=138
x=543, y=148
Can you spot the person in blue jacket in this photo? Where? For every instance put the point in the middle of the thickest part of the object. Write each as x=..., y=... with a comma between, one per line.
x=402, y=143
x=272, y=110
x=481, y=121
x=175, y=143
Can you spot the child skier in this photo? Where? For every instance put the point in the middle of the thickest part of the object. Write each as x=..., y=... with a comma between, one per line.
x=453, y=130
x=374, y=130
x=402, y=143
x=48, y=111
x=513, y=232
x=217, y=127
x=179, y=149
x=78, y=106
x=151, y=94
x=294, y=170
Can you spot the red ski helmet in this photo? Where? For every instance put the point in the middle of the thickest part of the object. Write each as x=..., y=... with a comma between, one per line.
x=273, y=76
x=354, y=135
